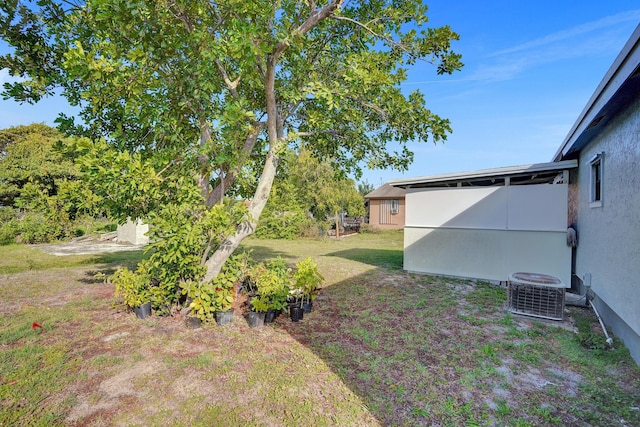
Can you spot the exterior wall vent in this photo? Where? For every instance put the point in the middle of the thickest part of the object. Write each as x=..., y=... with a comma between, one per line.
x=537, y=295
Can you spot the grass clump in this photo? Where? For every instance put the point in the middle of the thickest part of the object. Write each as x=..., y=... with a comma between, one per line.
x=31, y=376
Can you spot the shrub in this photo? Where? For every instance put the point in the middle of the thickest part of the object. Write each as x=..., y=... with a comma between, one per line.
x=218, y=294
x=273, y=283
x=307, y=279
x=108, y=227
x=8, y=225
x=8, y=232
x=281, y=225
x=131, y=286
x=36, y=228
x=368, y=228
x=7, y=214
x=313, y=229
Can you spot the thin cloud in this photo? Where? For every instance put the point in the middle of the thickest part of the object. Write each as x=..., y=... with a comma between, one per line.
x=589, y=27
x=440, y=81
x=6, y=78
x=589, y=39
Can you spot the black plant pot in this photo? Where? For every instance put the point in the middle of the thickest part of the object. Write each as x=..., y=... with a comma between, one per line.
x=256, y=319
x=224, y=317
x=307, y=307
x=143, y=310
x=296, y=313
x=192, y=322
x=270, y=316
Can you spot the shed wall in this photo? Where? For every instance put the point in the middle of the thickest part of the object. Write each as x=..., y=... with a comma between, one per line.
x=488, y=232
x=386, y=220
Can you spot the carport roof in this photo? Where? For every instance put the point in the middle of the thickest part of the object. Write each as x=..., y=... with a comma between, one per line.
x=535, y=173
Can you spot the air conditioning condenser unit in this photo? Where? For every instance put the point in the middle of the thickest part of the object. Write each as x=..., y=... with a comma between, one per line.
x=537, y=295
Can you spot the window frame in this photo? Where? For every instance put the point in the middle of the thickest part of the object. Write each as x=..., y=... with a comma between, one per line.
x=596, y=168
x=395, y=206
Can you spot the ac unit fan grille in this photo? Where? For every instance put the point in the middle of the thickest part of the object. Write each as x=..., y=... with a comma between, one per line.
x=538, y=301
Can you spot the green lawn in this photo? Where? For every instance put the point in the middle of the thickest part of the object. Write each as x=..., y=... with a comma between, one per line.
x=381, y=348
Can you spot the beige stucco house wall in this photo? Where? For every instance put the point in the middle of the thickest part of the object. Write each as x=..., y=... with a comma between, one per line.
x=605, y=202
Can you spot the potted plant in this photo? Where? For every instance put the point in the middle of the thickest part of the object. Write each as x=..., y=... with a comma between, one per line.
x=296, y=312
x=258, y=310
x=272, y=284
x=307, y=279
x=133, y=286
x=224, y=291
x=200, y=303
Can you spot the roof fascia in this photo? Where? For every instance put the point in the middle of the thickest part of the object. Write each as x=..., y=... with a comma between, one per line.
x=620, y=71
x=487, y=173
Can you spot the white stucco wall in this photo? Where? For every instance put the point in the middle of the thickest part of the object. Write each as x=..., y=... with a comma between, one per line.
x=609, y=236
x=488, y=232
x=134, y=232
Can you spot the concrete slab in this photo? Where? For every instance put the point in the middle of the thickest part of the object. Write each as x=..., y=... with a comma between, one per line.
x=87, y=246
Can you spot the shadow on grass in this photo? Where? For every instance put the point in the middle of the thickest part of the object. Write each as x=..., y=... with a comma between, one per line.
x=126, y=258
x=107, y=264
x=420, y=350
x=21, y=258
x=376, y=332
x=385, y=258
x=265, y=253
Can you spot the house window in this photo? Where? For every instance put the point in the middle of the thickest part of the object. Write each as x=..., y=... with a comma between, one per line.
x=595, y=199
x=394, y=206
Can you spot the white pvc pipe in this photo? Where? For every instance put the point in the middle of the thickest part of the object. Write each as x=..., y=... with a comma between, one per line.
x=609, y=339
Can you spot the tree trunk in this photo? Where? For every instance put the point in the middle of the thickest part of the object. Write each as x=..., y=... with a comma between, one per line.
x=203, y=177
x=217, y=193
x=219, y=257
x=337, y=225
x=276, y=141
x=216, y=261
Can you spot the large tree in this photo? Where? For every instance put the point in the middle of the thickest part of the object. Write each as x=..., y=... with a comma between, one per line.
x=211, y=93
x=305, y=195
x=28, y=158
x=38, y=177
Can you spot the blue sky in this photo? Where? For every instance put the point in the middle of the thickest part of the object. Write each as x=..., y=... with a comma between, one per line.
x=530, y=68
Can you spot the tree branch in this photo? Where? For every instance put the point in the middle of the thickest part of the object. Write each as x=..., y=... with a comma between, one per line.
x=216, y=194
x=315, y=17
x=373, y=33
x=231, y=85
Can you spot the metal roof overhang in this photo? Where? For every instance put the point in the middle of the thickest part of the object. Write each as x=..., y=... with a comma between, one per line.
x=532, y=174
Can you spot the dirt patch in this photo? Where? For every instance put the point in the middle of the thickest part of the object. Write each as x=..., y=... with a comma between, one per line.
x=111, y=392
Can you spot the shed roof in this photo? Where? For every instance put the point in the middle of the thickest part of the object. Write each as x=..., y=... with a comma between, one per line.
x=534, y=173
x=619, y=88
x=386, y=192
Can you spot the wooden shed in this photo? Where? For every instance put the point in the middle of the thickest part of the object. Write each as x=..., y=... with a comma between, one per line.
x=387, y=207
